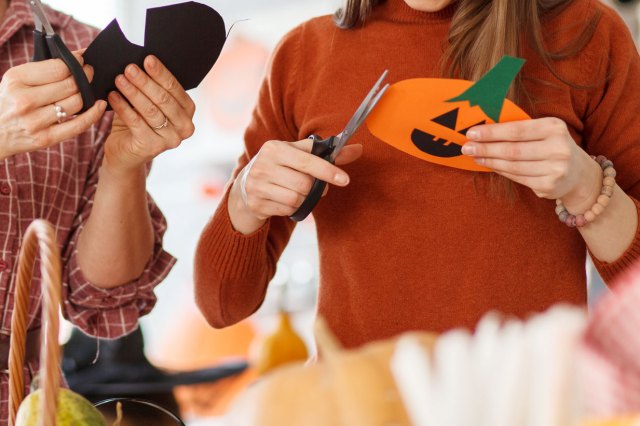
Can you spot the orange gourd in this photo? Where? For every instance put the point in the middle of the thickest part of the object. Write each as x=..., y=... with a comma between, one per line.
x=281, y=347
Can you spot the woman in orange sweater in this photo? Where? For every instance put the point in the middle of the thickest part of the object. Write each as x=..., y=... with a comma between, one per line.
x=406, y=244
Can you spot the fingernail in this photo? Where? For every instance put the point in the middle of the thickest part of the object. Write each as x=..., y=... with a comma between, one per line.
x=115, y=96
x=473, y=134
x=341, y=179
x=468, y=149
x=122, y=81
x=479, y=161
x=152, y=61
x=133, y=70
x=102, y=104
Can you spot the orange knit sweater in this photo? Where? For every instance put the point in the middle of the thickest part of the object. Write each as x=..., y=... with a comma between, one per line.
x=409, y=244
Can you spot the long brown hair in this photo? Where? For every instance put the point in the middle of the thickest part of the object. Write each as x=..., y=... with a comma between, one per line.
x=482, y=31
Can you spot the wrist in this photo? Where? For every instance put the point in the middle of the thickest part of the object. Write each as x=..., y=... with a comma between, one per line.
x=119, y=159
x=240, y=216
x=5, y=143
x=607, y=188
x=586, y=192
x=118, y=172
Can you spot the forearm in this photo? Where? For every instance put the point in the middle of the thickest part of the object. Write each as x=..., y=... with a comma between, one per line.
x=117, y=240
x=232, y=269
x=611, y=234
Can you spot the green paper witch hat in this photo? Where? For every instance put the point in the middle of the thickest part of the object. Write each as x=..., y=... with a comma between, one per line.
x=491, y=90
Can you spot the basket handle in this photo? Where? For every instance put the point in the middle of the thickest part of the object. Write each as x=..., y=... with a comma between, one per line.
x=40, y=237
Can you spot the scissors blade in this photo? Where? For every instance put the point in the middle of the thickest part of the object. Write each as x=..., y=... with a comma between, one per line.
x=361, y=114
x=42, y=22
x=372, y=105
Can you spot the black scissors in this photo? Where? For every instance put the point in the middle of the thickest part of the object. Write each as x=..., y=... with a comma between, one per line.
x=49, y=45
x=329, y=148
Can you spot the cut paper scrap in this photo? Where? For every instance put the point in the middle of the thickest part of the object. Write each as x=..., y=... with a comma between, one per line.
x=428, y=118
x=186, y=37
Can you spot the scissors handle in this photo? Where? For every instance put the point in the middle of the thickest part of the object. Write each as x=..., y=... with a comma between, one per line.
x=322, y=148
x=40, y=48
x=52, y=46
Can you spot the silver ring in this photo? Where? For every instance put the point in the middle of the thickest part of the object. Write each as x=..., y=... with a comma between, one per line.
x=60, y=113
x=163, y=125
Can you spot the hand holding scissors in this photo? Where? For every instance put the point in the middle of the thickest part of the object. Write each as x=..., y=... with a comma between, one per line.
x=48, y=45
x=286, y=179
x=36, y=98
x=328, y=149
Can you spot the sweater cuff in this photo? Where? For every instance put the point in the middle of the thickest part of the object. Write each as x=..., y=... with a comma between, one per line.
x=610, y=270
x=235, y=253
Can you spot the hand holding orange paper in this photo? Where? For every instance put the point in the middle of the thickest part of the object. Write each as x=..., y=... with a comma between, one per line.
x=428, y=117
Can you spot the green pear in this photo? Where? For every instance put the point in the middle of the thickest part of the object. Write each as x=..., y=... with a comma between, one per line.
x=73, y=410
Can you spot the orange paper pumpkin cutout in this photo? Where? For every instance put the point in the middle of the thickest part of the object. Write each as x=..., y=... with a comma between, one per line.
x=428, y=118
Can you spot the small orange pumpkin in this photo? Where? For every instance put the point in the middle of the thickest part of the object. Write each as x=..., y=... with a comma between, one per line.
x=428, y=118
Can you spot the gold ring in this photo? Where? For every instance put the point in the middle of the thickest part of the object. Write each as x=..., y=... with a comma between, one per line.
x=163, y=125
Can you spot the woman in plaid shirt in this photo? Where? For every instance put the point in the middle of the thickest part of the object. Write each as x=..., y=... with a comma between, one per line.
x=86, y=175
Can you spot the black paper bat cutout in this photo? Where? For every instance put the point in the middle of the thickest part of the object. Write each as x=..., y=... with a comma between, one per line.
x=186, y=37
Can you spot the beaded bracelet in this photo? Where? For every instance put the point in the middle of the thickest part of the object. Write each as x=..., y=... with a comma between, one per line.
x=608, y=182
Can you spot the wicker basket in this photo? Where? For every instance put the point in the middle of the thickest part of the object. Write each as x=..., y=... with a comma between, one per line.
x=39, y=238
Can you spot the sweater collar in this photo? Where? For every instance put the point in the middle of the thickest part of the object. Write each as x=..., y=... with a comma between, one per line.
x=400, y=11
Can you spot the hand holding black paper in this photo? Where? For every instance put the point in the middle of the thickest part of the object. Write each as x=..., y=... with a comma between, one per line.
x=186, y=37
x=156, y=116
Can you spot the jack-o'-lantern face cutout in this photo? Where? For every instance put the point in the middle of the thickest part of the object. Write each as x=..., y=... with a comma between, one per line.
x=428, y=118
